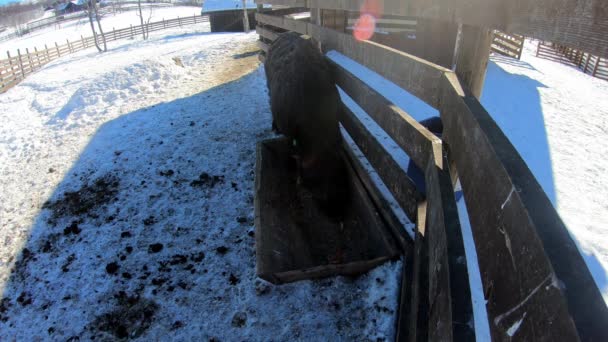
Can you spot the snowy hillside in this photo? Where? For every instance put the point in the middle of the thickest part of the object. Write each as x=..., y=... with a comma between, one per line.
x=127, y=204
x=72, y=30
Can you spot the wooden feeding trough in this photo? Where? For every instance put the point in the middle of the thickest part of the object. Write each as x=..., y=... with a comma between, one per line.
x=295, y=240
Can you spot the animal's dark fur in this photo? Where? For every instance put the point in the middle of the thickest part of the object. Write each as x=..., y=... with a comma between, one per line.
x=304, y=103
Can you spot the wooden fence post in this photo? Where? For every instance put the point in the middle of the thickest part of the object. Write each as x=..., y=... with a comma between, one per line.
x=69, y=46
x=194, y=16
x=164, y=24
x=131, y=31
x=37, y=56
x=58, y=51
x=29, y=59
x=10, y=63
x=113, y=33
x=587, y=63
x=82, y=40
x=21, y=63
x=473, y=57
x=597, y=64
x=179, y=21
x=46, y=51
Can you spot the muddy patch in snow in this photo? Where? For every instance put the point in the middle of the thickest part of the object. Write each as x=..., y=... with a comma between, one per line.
x=84, y=201
x=131, y=317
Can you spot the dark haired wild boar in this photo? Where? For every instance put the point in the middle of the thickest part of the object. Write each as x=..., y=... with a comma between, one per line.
x=304, y=101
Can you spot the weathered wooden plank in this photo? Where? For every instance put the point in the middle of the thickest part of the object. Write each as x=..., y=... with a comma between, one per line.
x=419, y=303
x=383, y=206
x=405, y=314
x=473, y=56
x=9, y=85
x=404, y=69
x=506, y=45
x=268, y=19
x=414, y=74
x=418, y=142
x=506, y=53
x=396, y=180
x=580, y=24
x=295, y=240
x=263, y=46
x=450, y=305
x=436, y=40
x=266, y=33
x=531, y=269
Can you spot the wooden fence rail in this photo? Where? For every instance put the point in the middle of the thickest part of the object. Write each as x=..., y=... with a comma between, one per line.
x=588, y=63
x=14, y=69
x=534, y=277
x=510, y=45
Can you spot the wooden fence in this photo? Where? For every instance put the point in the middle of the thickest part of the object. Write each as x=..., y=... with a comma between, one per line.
x=510, y=45
x=536, y=284
x=588, y=63
x=15, y=68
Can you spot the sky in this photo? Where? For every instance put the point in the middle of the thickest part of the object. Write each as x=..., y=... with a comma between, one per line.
x=4, y=2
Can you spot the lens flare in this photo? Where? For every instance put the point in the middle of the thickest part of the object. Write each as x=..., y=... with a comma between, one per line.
x=373, y=7
x=364, y=27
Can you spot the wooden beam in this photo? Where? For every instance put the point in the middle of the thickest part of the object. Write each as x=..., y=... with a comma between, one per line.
x=413, y=326
x=435, y=40
x=419, y=77
x=531, y=269
x=403, y=69
x=450, y=305
x=396, y=180
x=266, y=33
x=580, y=24
x=473, y=57
x=263, y=46
x=417, y=141
x=384, y=207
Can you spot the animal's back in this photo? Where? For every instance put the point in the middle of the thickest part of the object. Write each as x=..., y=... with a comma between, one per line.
x=303, y=97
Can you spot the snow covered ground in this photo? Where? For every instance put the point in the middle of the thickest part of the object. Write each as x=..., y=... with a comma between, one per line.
x=72, y=30
x=126, y=204
x=126, y=190
x=557, y=118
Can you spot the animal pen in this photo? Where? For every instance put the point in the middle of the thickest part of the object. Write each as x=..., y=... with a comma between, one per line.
x=536, y=285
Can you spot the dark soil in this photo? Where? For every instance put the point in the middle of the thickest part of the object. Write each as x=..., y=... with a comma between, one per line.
x=86, y=200
x=130, y=319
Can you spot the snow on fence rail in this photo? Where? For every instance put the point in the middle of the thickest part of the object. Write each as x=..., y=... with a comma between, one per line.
x=535, y=282
x=588, y=63
x=14, y=68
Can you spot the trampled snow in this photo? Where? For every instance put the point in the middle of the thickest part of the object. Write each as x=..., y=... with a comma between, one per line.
x=146, y=168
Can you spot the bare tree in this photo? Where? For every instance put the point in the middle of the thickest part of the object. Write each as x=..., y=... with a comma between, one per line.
x=245, y=17
x=144, y=24
x=98, y=19
x=91, y=9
